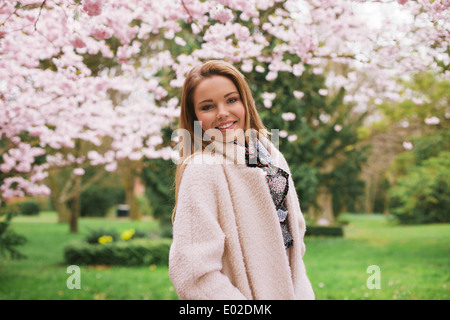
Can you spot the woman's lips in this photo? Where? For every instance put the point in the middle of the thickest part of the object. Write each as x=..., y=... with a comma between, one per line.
x=227, y=128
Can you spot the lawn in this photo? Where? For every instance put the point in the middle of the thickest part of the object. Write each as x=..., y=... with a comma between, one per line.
x=413, y=263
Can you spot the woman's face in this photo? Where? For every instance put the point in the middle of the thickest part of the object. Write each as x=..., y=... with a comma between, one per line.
x=218, y=105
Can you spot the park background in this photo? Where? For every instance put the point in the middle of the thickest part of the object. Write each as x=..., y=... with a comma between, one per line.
x=89, y=100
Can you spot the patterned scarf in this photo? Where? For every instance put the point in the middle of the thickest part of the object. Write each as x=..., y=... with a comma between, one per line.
x=256, y=155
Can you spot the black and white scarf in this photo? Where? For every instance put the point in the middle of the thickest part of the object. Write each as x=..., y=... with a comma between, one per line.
x=256, y=155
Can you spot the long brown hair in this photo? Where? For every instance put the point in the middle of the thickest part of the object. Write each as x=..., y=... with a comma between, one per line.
x=187, y=116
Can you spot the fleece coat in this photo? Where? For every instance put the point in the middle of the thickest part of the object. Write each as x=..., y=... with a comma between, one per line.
x=227, y=241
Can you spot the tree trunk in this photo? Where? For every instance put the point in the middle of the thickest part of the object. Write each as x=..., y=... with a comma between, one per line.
x=130, y=198
x=75, y=210
x=61, y=208
x=76, y=193
x=324, y=200
x=371, y=190
x=324, y=213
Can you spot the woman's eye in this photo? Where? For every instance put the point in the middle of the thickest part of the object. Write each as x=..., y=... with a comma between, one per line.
x=206, y=107
x=232, y=100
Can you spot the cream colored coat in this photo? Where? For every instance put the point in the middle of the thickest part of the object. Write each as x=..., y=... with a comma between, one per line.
x=227, y=241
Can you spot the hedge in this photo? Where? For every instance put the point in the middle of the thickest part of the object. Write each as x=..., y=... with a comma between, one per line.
x=145, y=251
x=124, y=253
x=324, y=231
x=29, y=208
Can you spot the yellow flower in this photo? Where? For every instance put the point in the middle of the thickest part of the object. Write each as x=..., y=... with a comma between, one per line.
x=127, y=234
x=105, y=239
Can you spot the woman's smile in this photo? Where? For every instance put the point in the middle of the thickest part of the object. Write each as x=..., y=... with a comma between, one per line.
x=226, y=126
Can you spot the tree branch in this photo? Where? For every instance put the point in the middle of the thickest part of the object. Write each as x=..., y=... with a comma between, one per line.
x=65, y=196
x=39, y=15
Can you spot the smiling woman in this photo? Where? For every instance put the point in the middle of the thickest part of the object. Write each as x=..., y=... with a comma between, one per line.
x=203, y=76
x=218, y=105
x=238, y=228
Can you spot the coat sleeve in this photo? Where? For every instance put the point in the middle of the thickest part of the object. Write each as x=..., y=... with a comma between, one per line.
x=195, y=260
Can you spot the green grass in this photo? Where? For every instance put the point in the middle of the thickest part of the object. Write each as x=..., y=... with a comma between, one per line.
x=43, y=275
x=414, y=263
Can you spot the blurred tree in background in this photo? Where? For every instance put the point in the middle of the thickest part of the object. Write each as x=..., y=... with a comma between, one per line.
x=94, y=83
x=318, y=136
x=412, y=155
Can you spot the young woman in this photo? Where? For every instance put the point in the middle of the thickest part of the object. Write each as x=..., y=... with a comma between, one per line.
x=238, y=228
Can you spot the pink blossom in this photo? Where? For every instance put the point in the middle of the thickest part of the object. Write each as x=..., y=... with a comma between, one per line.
x=18, y=187
x=78, y=171
x=169, y=34
x=432, y=121
x=298, y=69
x=271, y=76
x=125, y=52
x=111, y=167
x=247, y=66
x=267, y=98
x=242, y=33
x=298, y=94
x=92, y=7
x=267, y=103
x=288, y=116
x=222, y=14
x=8, y=163
x=135, y=156
x=39, y=176
x=180, y=41
x=78, y=42
x=195, y=28
x=317, y=70
x=259, y=69
x=407, y=145
x=292, y=138
x=101, y=32
x=71, y=100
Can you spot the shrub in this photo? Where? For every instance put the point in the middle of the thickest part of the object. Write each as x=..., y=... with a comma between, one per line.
x=29, y=208
x=9, y=239
x=95, y=201
x=423, y=195
x=324, y=231
x=125, y=253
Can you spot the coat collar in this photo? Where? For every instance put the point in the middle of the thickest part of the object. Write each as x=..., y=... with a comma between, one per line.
x=233, y=153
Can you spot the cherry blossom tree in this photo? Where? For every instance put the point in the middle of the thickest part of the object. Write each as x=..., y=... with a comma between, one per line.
x=93, y=82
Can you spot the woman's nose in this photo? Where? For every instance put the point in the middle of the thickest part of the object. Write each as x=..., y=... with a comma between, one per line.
x=221, y=111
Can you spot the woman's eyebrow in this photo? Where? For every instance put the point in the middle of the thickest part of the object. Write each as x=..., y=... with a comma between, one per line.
x=207, y=100
x=229, y=93
x=210, y=100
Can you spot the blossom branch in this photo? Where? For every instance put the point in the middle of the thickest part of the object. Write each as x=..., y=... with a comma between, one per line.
x=39, y=15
